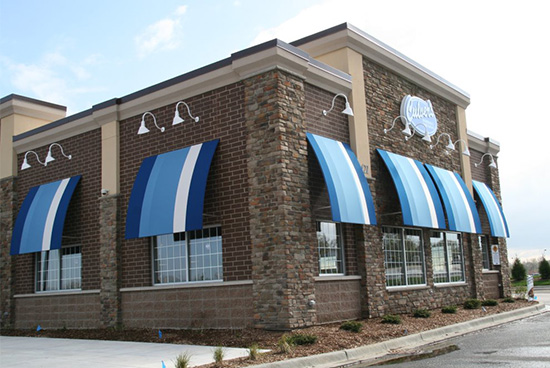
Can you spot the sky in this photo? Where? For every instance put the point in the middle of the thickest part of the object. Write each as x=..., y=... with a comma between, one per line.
x=81, y=53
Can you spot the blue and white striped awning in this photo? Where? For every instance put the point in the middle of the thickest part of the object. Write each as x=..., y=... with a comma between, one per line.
x=459, y=205
x=349, y=193
x=168, y=194
x=420, y=203
x=40, y=222
x=497, y=221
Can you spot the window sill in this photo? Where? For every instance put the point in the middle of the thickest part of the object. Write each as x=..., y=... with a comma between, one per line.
x=392, y=289
x=450, y=284
x=203, y=284
x=57, y=293
x=490, y=271
x=336, y=278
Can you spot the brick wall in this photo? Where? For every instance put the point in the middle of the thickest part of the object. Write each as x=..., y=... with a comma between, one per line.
x=194, y=307
x=81, y=223
x=338, y=300
x=221, y=117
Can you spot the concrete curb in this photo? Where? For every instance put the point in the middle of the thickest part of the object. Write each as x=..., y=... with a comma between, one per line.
x=345, y=357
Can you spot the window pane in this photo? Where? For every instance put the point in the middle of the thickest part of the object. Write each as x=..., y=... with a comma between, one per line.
x=414, y=257
x=393, y=256
x=484, y=245
x=170, y=259
x=59, y=269
x=439, y=257
x=329, y=245
x=454, y=251
x=205, y=254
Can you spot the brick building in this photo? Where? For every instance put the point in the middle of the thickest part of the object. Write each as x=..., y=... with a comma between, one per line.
x=272, y=209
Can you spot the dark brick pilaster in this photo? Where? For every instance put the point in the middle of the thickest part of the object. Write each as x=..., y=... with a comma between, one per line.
x=7, y=219
x=282, y=233
x=109, y=257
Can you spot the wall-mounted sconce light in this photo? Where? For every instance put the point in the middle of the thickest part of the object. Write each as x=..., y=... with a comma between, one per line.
x=492, y=164
x=347, y=110
x=178, y=119
x=409, y=135
x=49, y=157
x=465, y=151
x=143, y=129
x=26, y=165
x=450, y=146
x=406, y=131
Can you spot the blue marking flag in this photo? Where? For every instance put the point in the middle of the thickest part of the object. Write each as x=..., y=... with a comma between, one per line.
x=38, y=328
x=163, y=366
x=160, y=334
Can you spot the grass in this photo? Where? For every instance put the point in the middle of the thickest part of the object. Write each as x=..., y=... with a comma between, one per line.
x=537, y=281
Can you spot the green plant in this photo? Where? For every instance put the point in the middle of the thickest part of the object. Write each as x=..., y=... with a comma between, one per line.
x=219, y=353
x=283, y=345
x=451, y=309
x=391, y=319
x=520, y=290
x=472, y=304
x=509, y=300
x=544, y=269
x=422, y=313
x=353, y=326
x=489, y=303
x=254, y=351
x=518, y=270
x=301, y=339
x=182, y=360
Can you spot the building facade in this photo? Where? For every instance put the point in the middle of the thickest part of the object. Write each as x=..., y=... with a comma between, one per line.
x=265, y=207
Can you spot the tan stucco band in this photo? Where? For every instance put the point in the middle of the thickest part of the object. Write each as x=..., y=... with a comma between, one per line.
x=110, y=152
x=462, y=131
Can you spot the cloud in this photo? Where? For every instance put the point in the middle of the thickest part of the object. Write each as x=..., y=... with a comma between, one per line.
x=165, y=34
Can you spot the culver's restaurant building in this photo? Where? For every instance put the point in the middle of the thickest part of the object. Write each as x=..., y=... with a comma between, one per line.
x=285, y=186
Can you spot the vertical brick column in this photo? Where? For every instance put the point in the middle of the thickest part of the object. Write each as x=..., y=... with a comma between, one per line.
x=7, y=221
x=281, y=228
x=475, y=263
x=109, y=257
x=494, y=183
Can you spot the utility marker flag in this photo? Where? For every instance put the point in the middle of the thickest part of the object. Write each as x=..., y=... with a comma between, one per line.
x=160, y=334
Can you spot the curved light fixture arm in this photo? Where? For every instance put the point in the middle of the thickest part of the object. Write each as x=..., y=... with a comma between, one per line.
x=178, y=119
x=154, y=120
x=347, y=110
x=465, y=151
x=450, y=146
x=491, y=164
x=26, y=165
x=393, y=123
x=60, y=147
x=426, y=136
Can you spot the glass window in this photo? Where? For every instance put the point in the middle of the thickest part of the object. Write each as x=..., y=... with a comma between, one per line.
x=484, y=246
x=329, y=244
x=403, y=257
x=59, y=269
x=188, y=257
x=447, y=258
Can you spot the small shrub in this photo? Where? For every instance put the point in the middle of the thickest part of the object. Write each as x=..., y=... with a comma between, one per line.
x=518, y=271
x=451, y=309
x=509, y=300
x=253, y=351
x=301, y=339
x=182, y=360
x=392, y=319
x=422, y=313
x=489, y=303
x=283, y=345
x=544, y=269
x=353, y=326
x=219, y=353
x=472, y=304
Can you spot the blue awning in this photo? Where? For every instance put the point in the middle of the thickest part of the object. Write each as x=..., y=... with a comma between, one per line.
x=168, y=194
x=497, y=221
x=39, y=224
x=420, y=203
x=349, y=193
x=459, y=204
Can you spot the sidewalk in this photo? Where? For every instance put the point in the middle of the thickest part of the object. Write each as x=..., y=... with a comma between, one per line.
x=32, y=352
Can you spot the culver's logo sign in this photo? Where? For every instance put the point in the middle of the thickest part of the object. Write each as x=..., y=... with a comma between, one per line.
x=420, y=114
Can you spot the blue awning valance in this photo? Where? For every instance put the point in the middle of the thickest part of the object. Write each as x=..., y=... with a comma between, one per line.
x=168, y=193
x=420, y=203
x=349, y=193
x=40, y=222
x=459, y=205
x=497, y=221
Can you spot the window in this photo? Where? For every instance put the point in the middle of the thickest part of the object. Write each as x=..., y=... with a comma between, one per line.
x=188, y=257
x=59, y=269
x=447, y=259
x=403, y=257
x=484, y=246
x=329, y=244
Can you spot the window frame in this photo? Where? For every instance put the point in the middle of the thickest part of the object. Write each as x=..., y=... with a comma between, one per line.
x=403, y=258
x=188, y=257
x=485, y=252
x=447, y=256
x=340, y=248
x=38, y=282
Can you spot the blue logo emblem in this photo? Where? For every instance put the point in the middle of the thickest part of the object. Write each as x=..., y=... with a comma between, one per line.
x=420, y=115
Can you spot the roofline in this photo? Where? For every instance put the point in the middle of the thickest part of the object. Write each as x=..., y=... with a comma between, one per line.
x=482, y=144
x=14, y=96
